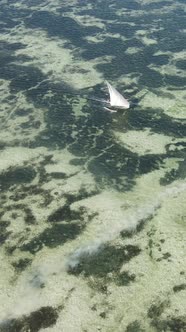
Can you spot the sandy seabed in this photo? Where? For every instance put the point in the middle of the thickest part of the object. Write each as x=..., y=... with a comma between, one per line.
x=92, y=216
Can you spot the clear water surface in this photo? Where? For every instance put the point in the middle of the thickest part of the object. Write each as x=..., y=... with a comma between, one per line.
x=92, y=215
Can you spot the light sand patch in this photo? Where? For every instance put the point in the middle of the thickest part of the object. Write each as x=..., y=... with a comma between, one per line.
x=179, y=55
x=98, y=38
x=4, y=90
x=76, y=179
x=75, y=183
x=148, y=41
x=132, y=50
x=84, y=181
x=53, y=58
x=13, y=157
x=168, y=69
x=155, y=100
x=144, y=37
x=143, y=142
x=101, y=37
x=172, y=102
x=129, y=79
x=143, y=192
x=87, y=20
x=178, y=111
x=61, y=163
x=6, y=290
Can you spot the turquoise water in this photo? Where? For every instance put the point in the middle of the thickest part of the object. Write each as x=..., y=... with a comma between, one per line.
x=92, y=218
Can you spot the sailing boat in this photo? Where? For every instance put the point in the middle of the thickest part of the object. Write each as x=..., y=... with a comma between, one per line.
x=116, y=99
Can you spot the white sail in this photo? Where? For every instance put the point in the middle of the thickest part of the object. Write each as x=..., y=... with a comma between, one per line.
x=116, y=99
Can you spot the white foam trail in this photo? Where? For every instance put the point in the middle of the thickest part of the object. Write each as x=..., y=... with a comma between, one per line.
x=129, y=223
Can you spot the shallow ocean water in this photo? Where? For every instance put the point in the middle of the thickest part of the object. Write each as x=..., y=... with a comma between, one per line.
x=92, y=215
